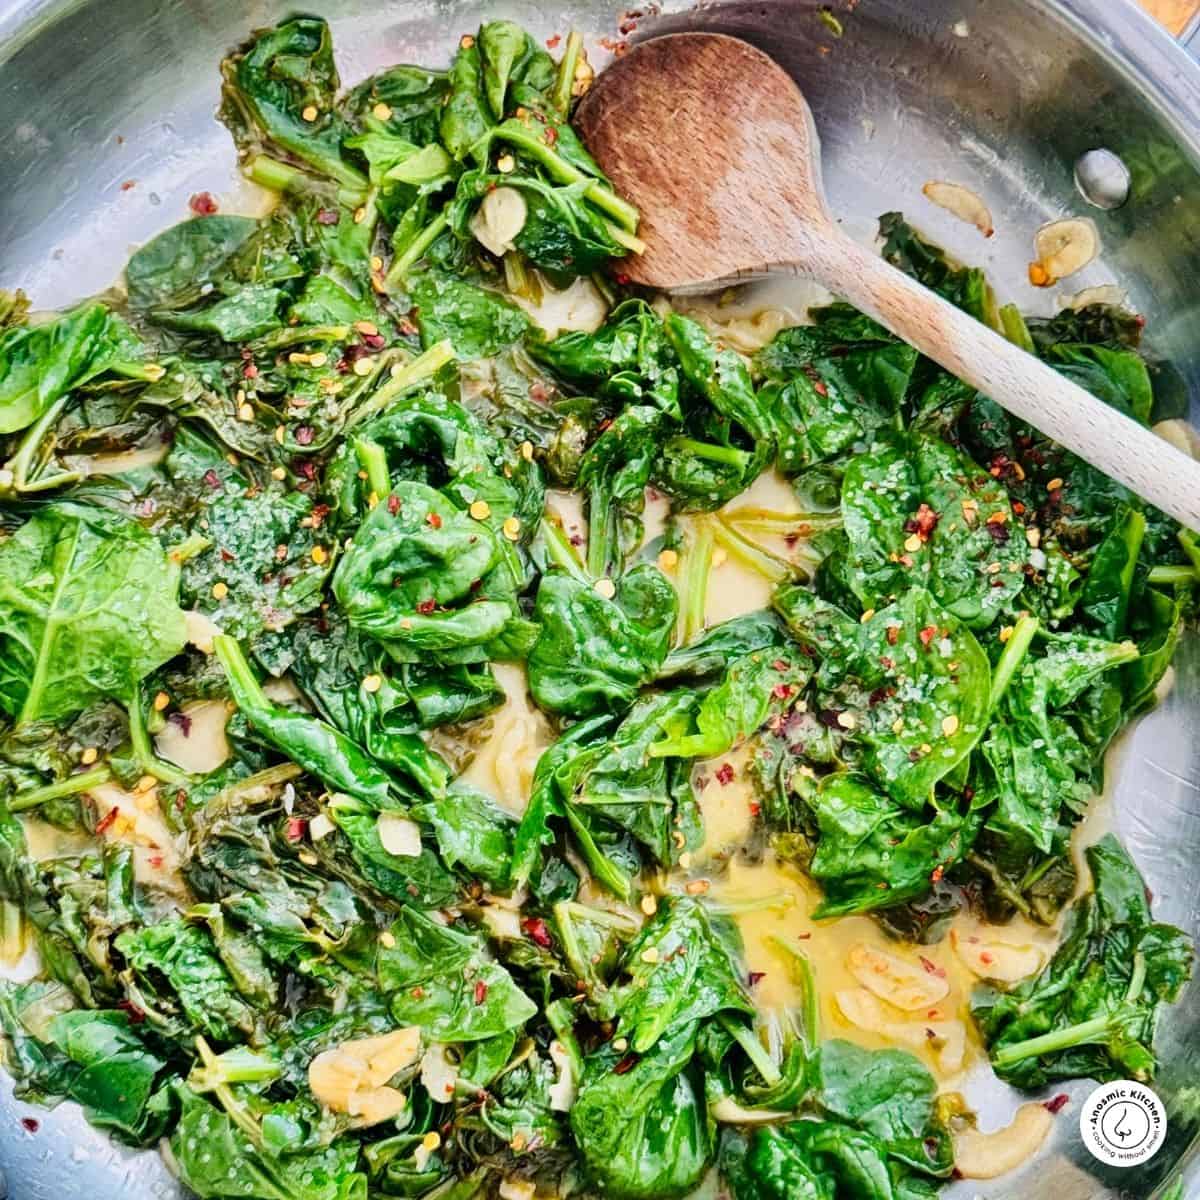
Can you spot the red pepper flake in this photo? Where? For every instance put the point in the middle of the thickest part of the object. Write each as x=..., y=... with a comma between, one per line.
x=700, y=782
x=1056, y=1103
x=927, y=634
x=156, y=861
x=226, y=556
x=780, y=664
x=393, y=503
x=552, y=42
x=106, y=821
x=781, y=691
x=724, y=774
x=434, y=520
x=754, y=976
x=295, y=829
x=885, y=662
x=985, y=958
x=418, y=993
x=932, y=967
x=406, y=327
x=923, y=522
x=203, y=204
x=328, y=216
x=425, y=607
x=304, y=435
x=136, y=1015
x=892, y=633
x=129, y=185
x=936, y=874
x=622, y=278
x=755, y=808
x=539, y=392
x=820, y=388
x=309, y=472
x=829, y=718
x=481, y=991
x=249, y=371
x=212, y=478
x=30, y=1124
x=536, y=929
x=626, y=1065
x=374, y=341
x=550, y=135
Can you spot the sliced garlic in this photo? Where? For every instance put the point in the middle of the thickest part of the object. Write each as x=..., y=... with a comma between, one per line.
x=200, y=630
x=197, y=744
x=988, y=1155
x=997, y=960
x=320, y=827
x=517, y=1189
x=1106, y=293
x=439, y=1074
x=962, y=203
x=1062, y=248
x=947, y=1039
x=398, y=835
x=577, y=308
x=282, y=690
x=902, y=984
x=563, y=1090
x=352, y=1077
x=499, y=220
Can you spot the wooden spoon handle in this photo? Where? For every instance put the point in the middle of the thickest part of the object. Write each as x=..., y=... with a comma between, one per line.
x=1019, y=382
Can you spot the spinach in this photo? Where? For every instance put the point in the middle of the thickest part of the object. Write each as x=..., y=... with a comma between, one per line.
x=440, y=978
x=594, y=651
x=1091, y=1011
x=281, y=88
x=172, y=270
x=41, y=364
x=873, y=853
x=477, y=321
x=88, y=609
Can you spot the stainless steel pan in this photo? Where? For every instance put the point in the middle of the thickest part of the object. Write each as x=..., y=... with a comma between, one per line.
x=106, y=117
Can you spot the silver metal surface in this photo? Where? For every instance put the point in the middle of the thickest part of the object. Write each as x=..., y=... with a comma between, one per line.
x=107, y=106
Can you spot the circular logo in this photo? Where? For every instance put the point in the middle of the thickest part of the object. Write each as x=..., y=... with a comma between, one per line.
x=1123, y=1123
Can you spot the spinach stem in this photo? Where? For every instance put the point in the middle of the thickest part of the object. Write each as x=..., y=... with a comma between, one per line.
x=1050, y=1043
x=728, y=455
x=1011, y=657
x=559, y=551
x=562, y=171
x=374, y=462
x=564, y=83
x=697, y=567
x=1012, y=325
x=143, y=751
x=1002, y=884
x=423, y=367
x=411, y=255
x=755, y=1051
x=801, y=970
x=220, y=1088
x=1173, y=575
x=71, y=786
x=758, y=558
x=197, y=543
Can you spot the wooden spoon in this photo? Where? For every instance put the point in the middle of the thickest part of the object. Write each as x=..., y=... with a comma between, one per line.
x=714, y=143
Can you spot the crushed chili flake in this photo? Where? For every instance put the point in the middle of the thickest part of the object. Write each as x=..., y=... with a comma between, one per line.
x=328, y=216
x=393, y=504
x=212, y=478
x=931, y=966
x=536, y=929
x=552, y=42
x=30, y=1124
x=892, y=634
x=374, y=341
x=780, y=664
x=434, y=520
x=295, y=829
x=923, y=522
x=226, y=556
x=106, y=821
x=425, y=607
x=829, y=717
x=550, y=135
x=136, y=1015
x=724, y=774
x=781, y=691
x=304, y=435
x=625, y=1065
x=1056, y=1103
x=927, y=634
x=203, y=204
x=753, y=977
x=936, y=874
x=481, y=991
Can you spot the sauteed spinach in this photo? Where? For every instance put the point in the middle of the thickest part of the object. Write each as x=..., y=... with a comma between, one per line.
x=284, y=516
